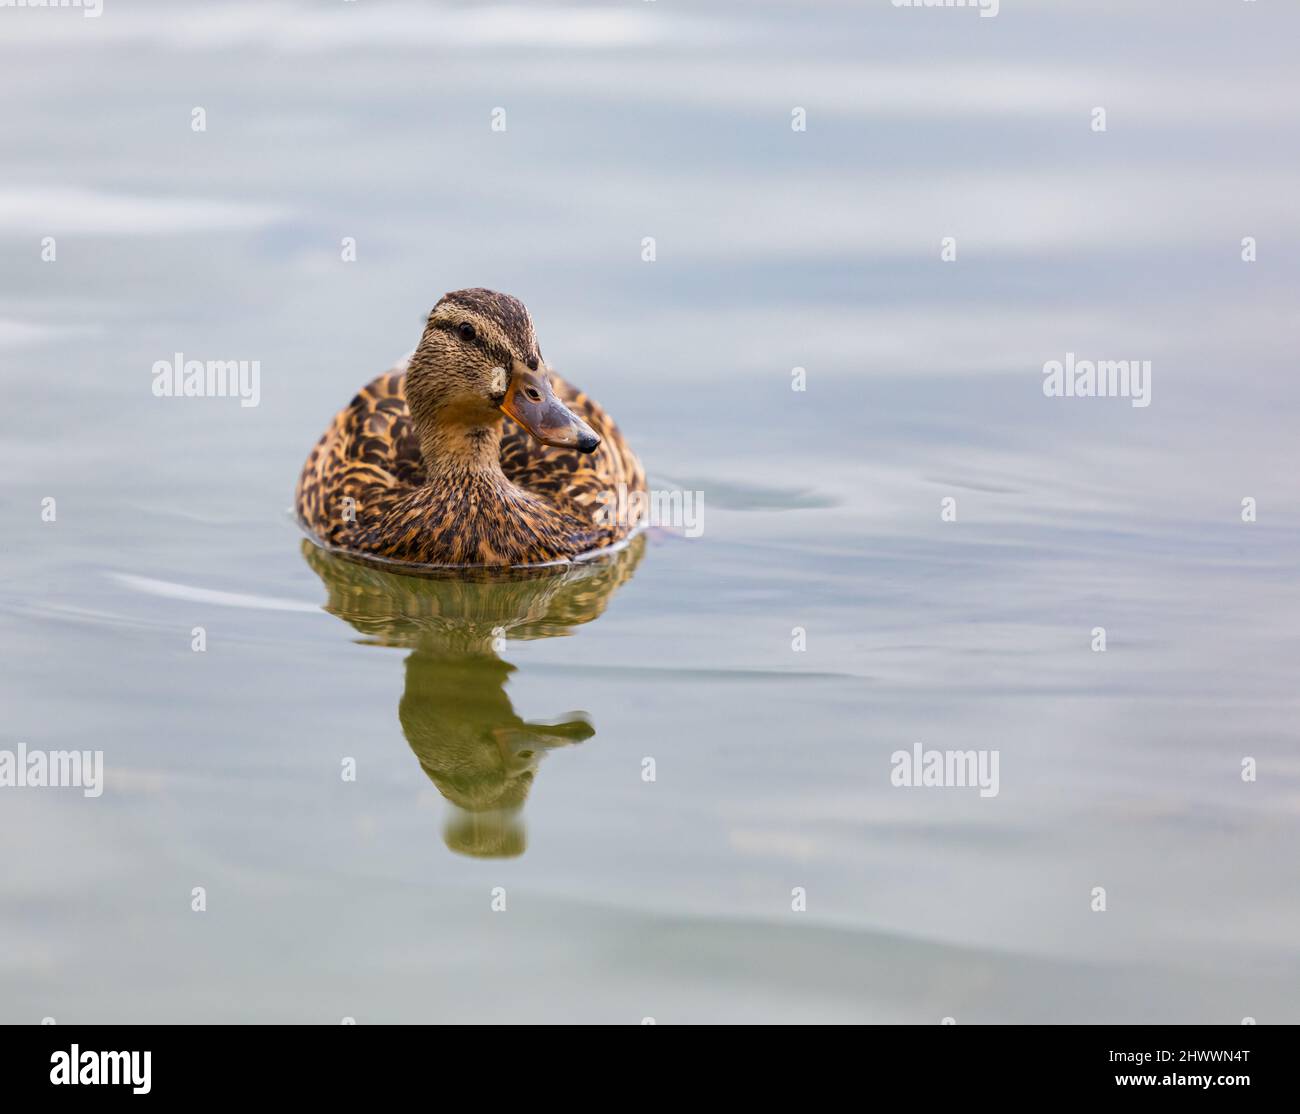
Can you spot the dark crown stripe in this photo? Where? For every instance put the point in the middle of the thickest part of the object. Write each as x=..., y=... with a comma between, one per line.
x=509, y=313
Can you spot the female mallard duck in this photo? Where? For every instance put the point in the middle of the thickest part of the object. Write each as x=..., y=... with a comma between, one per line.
x=474, y=454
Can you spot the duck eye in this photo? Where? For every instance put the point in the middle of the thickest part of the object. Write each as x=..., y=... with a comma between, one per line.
x=466, y=331
x=533, y=394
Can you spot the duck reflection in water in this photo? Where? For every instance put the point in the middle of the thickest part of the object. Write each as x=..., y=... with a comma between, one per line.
x=454, y=712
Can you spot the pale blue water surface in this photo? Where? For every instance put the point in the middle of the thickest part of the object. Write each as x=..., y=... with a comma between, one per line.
x=776, y=249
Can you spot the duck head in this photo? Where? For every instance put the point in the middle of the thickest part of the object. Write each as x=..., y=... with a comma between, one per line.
x=477, y=360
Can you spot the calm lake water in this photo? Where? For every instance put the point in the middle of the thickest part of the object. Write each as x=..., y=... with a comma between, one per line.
x=500, y=732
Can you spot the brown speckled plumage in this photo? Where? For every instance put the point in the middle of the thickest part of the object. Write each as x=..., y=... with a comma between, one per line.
x=460, y=482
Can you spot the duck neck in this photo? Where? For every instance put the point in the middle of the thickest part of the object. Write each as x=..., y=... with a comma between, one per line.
x=459, y=450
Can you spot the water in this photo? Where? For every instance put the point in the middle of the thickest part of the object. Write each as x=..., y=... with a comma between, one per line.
x=520, y=765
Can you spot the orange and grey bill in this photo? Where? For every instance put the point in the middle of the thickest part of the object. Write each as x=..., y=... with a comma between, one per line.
x=531, y=402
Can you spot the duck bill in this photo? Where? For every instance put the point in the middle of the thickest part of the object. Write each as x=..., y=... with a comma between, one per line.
x=531, y=402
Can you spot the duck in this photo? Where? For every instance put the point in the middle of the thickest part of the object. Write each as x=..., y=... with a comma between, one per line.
x=472, y=452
